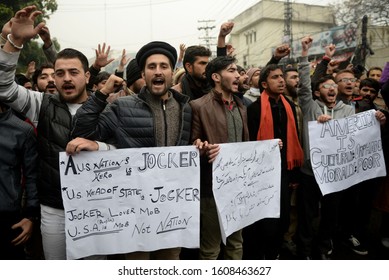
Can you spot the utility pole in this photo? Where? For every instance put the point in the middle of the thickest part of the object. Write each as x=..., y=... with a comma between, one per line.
x=363, y=49
x=288, y=36
x=207, y=38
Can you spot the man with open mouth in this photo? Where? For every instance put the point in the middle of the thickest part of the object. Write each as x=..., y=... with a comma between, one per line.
x=218, y=117
x=156, y=117
x=44, y=79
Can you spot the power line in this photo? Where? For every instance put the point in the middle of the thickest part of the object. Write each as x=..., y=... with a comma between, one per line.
x=207, y=28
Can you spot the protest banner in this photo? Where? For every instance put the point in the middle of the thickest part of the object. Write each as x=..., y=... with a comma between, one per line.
x=130, y=200
x=345, y=152
x=246, y=184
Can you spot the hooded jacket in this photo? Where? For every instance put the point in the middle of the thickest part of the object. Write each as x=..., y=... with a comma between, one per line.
x=312, y=109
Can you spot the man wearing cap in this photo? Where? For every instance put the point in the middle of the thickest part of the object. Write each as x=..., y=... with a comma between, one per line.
x=158, y=116
x=253, y=81
x=134, y=81
x=134, y=78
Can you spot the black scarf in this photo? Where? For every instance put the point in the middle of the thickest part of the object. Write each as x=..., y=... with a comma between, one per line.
x=190, y=88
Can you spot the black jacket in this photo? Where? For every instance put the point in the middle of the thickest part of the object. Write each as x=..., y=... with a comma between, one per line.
x=128, y=120
x=55, y=122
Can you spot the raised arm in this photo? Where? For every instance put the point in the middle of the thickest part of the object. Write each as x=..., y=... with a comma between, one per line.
x=225, y=29
x=48, y=46
x=102, y=59
x=180, y=59
x=4, y=32
x=304, y=91
x=280, y=52
x=22, y=29
x=17, y=97
x=30, y=70
x=93, y=120
x=321, y=68
x=122, y=63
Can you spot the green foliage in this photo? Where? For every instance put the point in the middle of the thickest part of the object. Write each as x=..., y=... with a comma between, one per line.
x=5, y=13
x=9, y=7
x=32, y=50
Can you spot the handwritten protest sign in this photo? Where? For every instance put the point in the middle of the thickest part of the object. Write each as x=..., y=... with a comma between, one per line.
x=346, y=151
x=130, y=200
x=246, y=184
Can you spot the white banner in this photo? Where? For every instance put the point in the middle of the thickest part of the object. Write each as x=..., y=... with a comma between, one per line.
x=130, y=200
x=246, y=184
x=347, y=151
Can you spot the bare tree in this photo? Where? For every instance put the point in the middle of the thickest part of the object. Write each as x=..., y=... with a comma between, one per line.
x=353, y=10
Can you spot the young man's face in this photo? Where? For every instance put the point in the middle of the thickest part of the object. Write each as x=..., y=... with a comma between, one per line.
x=229, y=79
x=275, y=83
x=197, y=69
x=368, y=94
x=158, y=74
x=375, y=74
x=346, y=83
x=71, y=80
x=46, y=81
x=327, y=93
x=243, y=81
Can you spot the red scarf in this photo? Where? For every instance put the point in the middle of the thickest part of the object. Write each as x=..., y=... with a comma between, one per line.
x=294, y=153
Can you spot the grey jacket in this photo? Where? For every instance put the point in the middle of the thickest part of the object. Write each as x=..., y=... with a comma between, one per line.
x=312, y=109
x=18, y=158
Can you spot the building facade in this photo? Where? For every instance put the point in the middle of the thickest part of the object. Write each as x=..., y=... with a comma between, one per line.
x=259, y=29
x=378, y=40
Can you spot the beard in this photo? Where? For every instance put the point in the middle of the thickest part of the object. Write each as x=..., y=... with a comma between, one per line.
x=73, y=98
x=292, y=90
x=227, y=87
x=199, y=78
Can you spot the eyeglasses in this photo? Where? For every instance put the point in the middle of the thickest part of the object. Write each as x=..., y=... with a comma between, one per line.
x=372, y=91
x=327, y=86
x=346, y=80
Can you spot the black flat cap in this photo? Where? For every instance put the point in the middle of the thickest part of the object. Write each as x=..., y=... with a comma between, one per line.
x=156, y=47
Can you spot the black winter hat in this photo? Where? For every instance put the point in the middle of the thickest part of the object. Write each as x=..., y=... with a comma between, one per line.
x=156, y=47
x=133, y=72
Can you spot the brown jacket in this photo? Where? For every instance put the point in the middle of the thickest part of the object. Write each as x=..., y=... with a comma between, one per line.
x=209, y=123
